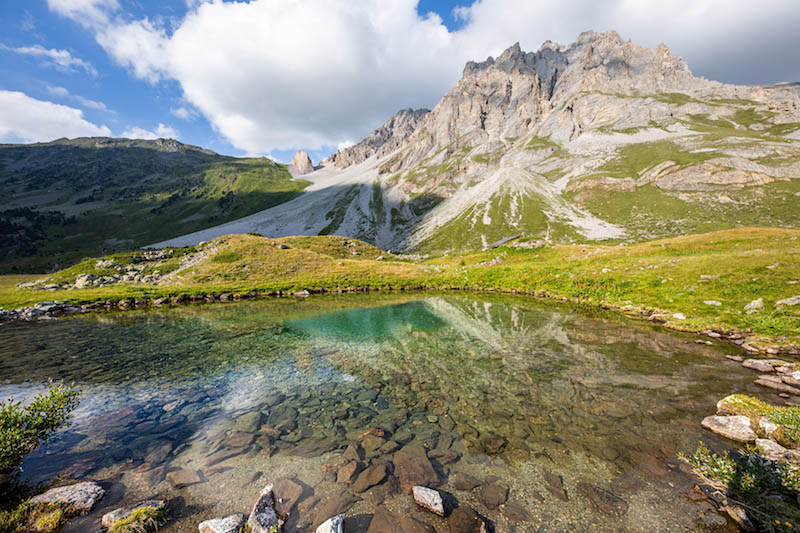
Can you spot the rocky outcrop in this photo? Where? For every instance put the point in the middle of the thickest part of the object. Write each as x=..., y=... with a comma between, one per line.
x=301, y=164
x=383, y=141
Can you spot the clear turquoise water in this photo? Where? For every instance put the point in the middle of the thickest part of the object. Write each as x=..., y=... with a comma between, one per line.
x=504, y=389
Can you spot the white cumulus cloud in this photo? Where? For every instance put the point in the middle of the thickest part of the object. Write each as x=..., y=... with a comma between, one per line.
x=162, y=131
x=277, y=75
x=30, y=120
x=60, y=59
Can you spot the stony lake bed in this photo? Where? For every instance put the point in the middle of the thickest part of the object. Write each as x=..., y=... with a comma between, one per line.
x=538, y=416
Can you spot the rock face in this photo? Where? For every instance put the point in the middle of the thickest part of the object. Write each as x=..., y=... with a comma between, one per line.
x=383, y=141
x=733, y=427
x=82, y=496
x=555, y=133
x=230, y=524
x=301, y=164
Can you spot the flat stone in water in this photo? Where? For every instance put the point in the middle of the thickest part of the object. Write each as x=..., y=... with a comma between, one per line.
x=555, y=486
x=82, y=496
x=185, y=477
x=371, y=476
x=493, y=495
x=603, y=500
x=466, y=520
x=412, y=467
x=286, y=493
x=463, y=481
x=384, y=521
x=335, y=505
x=230, y=524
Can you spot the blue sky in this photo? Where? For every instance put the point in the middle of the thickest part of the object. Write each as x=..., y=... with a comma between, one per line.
x=267, y=77
x=130, y=102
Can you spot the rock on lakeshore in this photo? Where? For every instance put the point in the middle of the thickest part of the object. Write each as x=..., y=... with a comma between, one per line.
x=124, y=512
x=263, y=518
x=82, y=496
x=230, y=524
x=733, y=427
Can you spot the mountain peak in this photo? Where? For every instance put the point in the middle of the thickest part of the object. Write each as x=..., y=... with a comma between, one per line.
x=382, y=141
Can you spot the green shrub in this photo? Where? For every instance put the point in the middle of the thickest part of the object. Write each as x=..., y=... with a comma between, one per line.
x=24, y=427
x=768, y=489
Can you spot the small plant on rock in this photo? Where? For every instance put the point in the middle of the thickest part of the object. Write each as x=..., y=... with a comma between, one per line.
x=143, y=520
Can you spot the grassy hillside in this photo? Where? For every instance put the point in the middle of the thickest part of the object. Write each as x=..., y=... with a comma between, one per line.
x=664, y=277
x=69, y=199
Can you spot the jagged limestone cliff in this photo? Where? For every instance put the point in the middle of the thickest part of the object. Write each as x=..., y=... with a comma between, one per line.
x=600, y=139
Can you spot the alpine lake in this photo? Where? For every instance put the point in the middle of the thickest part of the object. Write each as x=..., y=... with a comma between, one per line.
x=539, y=416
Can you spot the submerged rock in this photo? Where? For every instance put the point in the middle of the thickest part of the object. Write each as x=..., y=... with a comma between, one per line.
x=603, y=500
x=466, y=520
x=384, y=521
x=733, y=427
x=412, y=467
x=82, y=496
x=428, y=499
x=371, y=476
x=185, y=477
x=493, y=495
x=230, y=524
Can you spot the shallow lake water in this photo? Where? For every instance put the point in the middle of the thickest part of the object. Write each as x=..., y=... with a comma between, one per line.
x=565, y=420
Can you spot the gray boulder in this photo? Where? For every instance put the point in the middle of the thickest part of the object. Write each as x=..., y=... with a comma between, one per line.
x=82, y=496
x=230, y=524
x=733, y=427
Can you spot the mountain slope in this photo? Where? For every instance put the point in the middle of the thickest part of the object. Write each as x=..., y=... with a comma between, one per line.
x=69, y=199
x=600, y=139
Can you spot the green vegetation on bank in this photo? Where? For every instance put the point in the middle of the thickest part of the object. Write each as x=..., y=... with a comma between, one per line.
x=733, y=267
x=23, y=427
x=74, y=198
x=767, y=488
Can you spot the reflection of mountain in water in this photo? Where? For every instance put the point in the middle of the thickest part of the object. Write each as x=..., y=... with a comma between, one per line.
x=516, y=379
x=370, y=324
